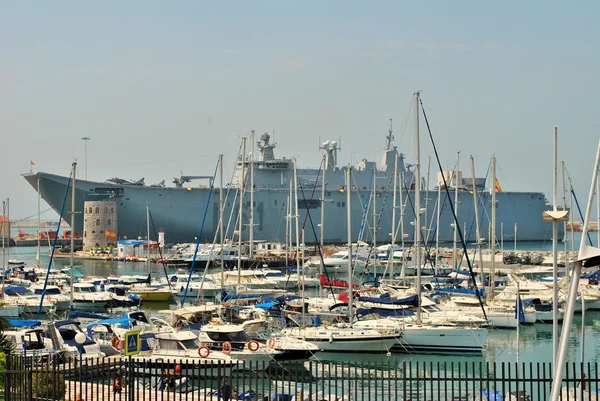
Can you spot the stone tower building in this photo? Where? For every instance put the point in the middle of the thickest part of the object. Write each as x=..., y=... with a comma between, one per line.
x=99, y=224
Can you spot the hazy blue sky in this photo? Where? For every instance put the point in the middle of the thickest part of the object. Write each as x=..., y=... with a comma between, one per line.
x=163, y=87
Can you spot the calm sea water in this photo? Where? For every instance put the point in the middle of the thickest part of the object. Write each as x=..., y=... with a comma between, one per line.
x=534, y=343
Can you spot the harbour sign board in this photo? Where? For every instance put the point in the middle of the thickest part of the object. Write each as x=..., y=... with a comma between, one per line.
x=132, y=343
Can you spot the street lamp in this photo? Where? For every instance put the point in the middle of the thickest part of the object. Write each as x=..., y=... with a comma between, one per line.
x=85, y=141
x=80, y=339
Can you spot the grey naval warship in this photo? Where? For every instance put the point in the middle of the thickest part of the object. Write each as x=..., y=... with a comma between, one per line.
x=179, y=209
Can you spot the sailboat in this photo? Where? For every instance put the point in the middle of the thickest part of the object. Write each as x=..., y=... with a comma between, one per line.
x=344, y=336
x=148, y=292
x=437, y=335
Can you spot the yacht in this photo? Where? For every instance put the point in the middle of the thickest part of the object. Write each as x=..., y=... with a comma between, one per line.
x=30, y=342
x=29, y=302
x=290, y=348
x=63, y=332
x=87, y=298
x=233, y=340
x=195, y=359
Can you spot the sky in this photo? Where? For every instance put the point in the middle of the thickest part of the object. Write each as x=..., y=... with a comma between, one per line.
x=162, y=88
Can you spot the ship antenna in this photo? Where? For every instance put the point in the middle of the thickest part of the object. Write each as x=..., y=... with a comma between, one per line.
x=389, y=138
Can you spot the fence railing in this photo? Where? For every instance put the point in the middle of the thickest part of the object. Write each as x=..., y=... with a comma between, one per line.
x=200, y=379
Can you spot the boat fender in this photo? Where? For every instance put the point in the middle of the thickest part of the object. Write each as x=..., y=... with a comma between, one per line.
x=253, y=345
x=271, y=343
x=331, y=338
x=227, y=348
x=120, y=345
x=203, y=351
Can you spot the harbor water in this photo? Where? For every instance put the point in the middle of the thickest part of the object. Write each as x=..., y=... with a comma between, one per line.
x=534, y=343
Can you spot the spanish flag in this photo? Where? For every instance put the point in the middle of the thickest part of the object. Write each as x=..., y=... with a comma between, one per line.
x=110, y=234
x=497, y=186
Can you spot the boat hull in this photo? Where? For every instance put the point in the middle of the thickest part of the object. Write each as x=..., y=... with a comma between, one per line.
x=175, y=209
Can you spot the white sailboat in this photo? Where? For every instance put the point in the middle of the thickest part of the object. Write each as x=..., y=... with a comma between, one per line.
x=344, y=337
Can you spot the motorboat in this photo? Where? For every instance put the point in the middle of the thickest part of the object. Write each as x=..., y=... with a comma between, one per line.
x=234, y=341
x=63, y=332
x=194, y=358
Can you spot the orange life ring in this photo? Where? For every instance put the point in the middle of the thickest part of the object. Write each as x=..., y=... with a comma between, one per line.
x=203, y=351
x=48, y=298
x=271, y=343
x=114, y=341
x=253, y=345
x=227, y=347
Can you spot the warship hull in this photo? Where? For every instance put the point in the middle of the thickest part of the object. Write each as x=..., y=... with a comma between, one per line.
x=179, y=211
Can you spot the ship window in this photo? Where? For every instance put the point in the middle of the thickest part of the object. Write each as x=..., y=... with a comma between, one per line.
x=97, y=209
x=97, y=222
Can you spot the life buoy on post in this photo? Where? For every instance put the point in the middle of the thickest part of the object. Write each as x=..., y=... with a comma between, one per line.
x=253, y=345
x=227, y=347
x=203, y=351
x=271, y=343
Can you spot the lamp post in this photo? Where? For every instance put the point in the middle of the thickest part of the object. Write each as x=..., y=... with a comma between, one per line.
x=85, y=140
x=80, y=339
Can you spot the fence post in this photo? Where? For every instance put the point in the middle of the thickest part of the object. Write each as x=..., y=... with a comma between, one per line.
x=30, y=385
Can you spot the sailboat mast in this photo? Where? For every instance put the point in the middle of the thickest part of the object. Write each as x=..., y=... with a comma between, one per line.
x=418, y=206
x=221, y=234
x=8, y=222
x=374, y=217
x=321, y=266
x=296, y=213
x=394, y=203
x=289, y=220
x=38, y=223
x=425, y=213
x=402, y=223
x=251, y=232
x=72, y=229
x=555, y=252
x=493, y=232
x=437, y=230
x=2, y=226
x=148, y=233
x=477, y=232
x=241, y=213
x=349, y=229
x=572, y=297
x=454, y=253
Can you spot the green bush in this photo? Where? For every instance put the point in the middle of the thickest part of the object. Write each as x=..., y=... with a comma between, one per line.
x=2, y=369
x=48, y=384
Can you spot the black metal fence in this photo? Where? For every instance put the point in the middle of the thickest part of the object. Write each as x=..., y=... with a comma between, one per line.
x=154, y=379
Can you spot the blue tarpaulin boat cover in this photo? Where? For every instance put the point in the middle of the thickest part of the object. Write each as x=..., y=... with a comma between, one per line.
x=13, y=289
x=266, y=305
x=123, y=321
x=23, y=323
